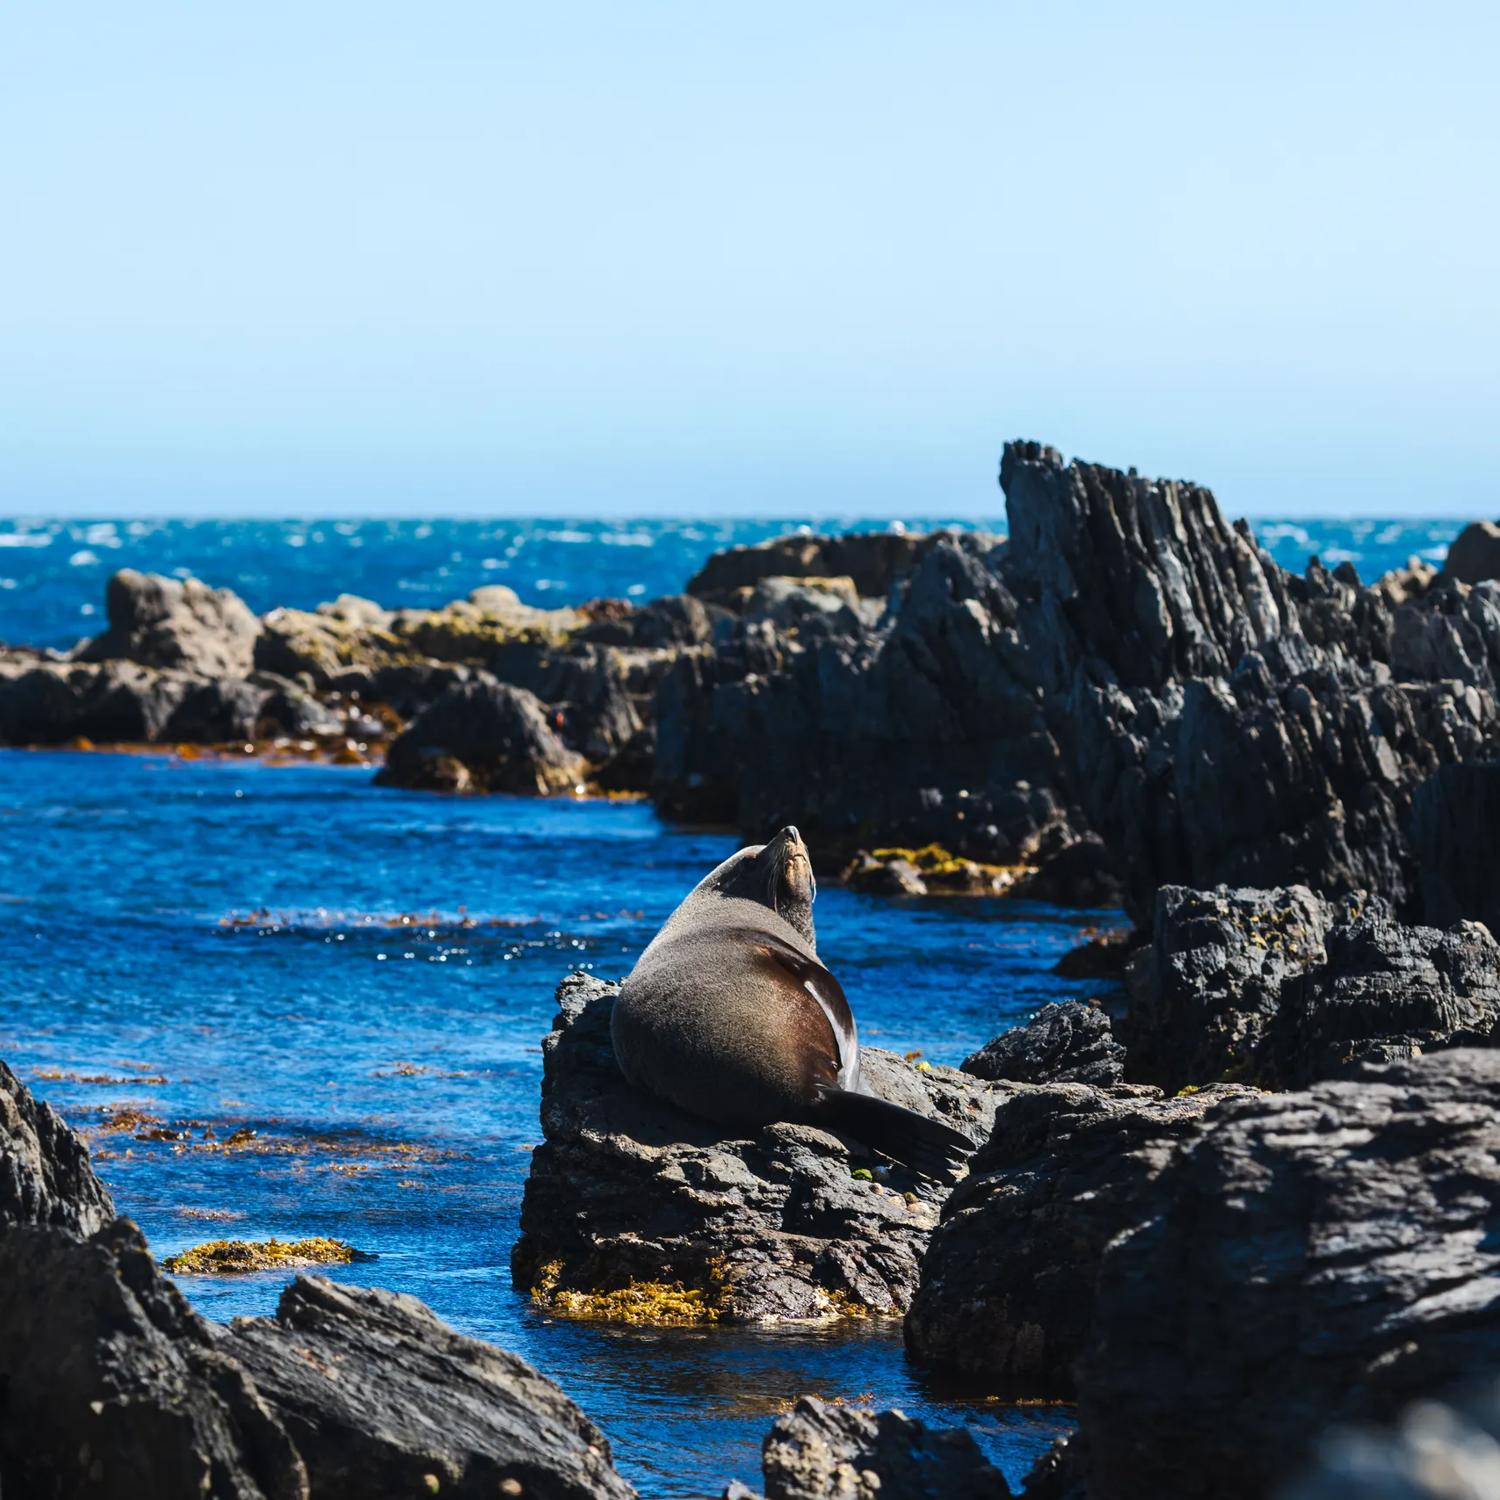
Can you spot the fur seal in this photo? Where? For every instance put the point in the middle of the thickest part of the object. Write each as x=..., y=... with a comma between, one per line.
x=729, y=1015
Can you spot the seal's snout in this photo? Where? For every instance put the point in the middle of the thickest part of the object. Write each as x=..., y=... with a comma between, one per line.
x=790, y=834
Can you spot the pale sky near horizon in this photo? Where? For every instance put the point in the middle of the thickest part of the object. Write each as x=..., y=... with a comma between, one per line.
x=662, y=258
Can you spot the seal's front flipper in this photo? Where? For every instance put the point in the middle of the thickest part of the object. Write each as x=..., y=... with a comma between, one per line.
x=919, y=1142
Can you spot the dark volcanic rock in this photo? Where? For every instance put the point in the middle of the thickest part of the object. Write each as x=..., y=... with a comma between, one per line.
x=171, y=622
x=112, y=1384
x=1456, y=832
x=872, y=561
x=1385, y=991
x=627, y=1195
x=45, y=1175
x=1066, y=1043
x=377, y=1394
x=916, y=729
x=823, y=1452
x=1007, y=1288
x=1301, y=1260
x=1209, y=985
x=1222, y=720
x=1474, y=554
x=1281, y=988
x=483, y=736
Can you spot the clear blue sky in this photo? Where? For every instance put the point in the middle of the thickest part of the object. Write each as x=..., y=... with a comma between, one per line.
x=681, y=258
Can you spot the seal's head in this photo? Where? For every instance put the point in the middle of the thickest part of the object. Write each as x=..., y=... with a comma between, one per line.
x=777, y=874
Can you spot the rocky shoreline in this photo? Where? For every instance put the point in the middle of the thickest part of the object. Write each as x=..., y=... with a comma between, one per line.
x=1123, y=694
x=1243, y=1209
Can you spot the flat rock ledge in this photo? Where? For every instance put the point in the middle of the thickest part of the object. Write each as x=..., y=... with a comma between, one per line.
x=637, y=1212
x=111, y=1385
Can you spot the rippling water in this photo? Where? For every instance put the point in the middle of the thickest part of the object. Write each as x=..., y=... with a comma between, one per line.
x=52, y=572
x=362, y=978
x=326, y=1000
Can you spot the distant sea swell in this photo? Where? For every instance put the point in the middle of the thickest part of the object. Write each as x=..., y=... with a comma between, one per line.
x=52, y=572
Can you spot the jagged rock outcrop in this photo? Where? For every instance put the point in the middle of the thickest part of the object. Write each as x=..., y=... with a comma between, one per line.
x=913, y=730
x=179, y=623
x=377, y=1394
x=1281, y=988
x=110, y=1384
x=1474, y=554
x=45, y=1176
x=823, y=1452
x=1455, y=830
x=636, y=1211
x=1301, y=1260
x=482, y=735
x=1222, y=720
x=1007, y=1284
x=1062, y=1043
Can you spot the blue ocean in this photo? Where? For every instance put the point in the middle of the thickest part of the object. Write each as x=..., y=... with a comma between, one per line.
x=347, y=987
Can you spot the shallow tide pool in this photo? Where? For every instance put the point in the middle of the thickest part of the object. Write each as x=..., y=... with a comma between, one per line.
x=362, y=977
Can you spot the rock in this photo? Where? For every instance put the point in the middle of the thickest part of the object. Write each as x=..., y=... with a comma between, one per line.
x=1474, y=554
x=1281, y=988
x=110, y=1384
x=914, y=729
x=45, y=1175
x=872, y=561
x=1066, y=1043
x=1007, y=1285
x=472, y=629
x=635, y=1211
x=1407, y=584
x=1104, y=956
x=1221, y=720
x=349, y=632
x=895, y=876
x=378, y=1394
x=1302, y=1260
x=109, y=702
x=180, y=623
x=1436, y=1450
x=1384, y=991
x=114, y=1386
x=823, y=1452
x=916, y=872
x=485, y=736
x=1082, y=873
x=1205, y=991
x=1455, y=822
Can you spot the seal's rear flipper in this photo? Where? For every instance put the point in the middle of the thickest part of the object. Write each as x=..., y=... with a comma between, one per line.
x=921, y=1143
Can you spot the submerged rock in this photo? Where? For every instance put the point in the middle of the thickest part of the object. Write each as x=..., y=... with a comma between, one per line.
x=230, y=1257
x=1300, y=1260
x=1062, y=1043
x=1007, y=1284
x=823, y=1452
x=634, y=1211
